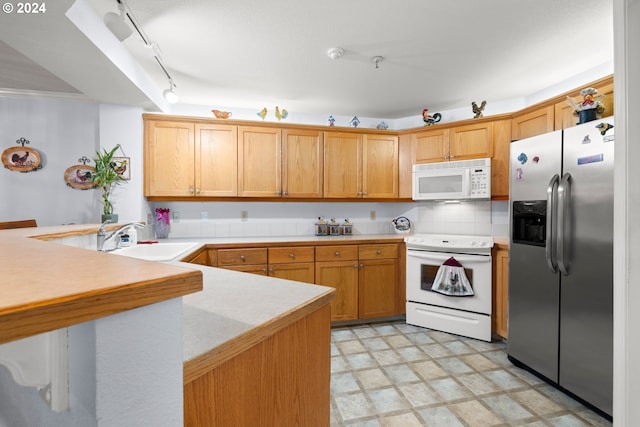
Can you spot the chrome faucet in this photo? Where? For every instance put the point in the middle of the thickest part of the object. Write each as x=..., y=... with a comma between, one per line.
x=104, y=238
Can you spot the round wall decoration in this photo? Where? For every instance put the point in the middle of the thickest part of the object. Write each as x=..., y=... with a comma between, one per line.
x=21, y=159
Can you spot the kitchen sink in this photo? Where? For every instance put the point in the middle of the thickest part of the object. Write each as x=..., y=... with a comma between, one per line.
x=157, y=251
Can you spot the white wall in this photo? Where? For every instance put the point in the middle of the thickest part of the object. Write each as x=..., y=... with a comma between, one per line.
x=125, y=370
x=626, y=411
x=62, y=131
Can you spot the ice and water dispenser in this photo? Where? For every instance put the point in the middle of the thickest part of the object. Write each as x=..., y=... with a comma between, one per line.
x=529, y=222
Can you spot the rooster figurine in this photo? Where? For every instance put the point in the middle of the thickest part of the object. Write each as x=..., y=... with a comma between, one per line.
x=281, y=115
x=429, y=119
x=477, y=111
x=262, y=114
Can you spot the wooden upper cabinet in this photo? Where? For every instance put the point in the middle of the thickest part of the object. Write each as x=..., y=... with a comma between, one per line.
x=169, y=159
x=471, y=141
x=342, y=164
x=405, y=167
x=259, y=162
x=500, y=159
x=216, y=154
x=302, y=163
x=430, y=146
x=380, y=166
x=360, y=165
x=532, y=123
x=564, y=114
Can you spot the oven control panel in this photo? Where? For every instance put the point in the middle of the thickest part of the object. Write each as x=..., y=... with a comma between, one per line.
x=435, y=242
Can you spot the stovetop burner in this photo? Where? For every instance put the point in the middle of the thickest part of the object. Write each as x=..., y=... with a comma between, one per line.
x=450, y=243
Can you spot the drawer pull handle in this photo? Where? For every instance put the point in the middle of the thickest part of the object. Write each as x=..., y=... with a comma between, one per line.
x=355, y=265
x=378, y=251
x=292, y=255
x=242, y=258
x=264, y=269
x=337, y=253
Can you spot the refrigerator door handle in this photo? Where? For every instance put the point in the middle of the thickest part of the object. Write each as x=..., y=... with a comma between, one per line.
x=551, y=243
x=564, y=214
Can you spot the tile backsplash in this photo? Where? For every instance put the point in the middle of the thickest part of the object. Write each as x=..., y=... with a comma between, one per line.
x=468, y=217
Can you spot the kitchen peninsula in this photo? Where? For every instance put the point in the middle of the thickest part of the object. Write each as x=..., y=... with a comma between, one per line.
x=132, y=340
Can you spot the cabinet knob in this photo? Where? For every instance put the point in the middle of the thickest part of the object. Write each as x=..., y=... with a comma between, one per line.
x=285, y=193
x=337, y=253
x=242, y=258
x=197, y=191
x=378, y=251
x=292, y=255
x=355, y=265
x=279, y=192
x=264, y=269
x=364, y=193
x=361, y=265
x=451, y=156
x=271, y=270
x=191, y=189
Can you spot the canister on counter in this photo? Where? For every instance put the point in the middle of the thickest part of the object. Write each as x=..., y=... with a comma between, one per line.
x=334, y=228
x=322, y=229
x=347, y=227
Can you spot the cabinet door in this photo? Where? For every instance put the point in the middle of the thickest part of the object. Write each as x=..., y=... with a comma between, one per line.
x=500, y=160
x=342, y=164
x=259, y=162
x=471, y=141
x=302, y=163
x=405, y=167
x=500, y=292
x=380, y=166
x=431, y=146
x=298, y=271
x=343, y=276
x=532, y=123
x=378, y=288
x=564, y=115
x=216, y=160
x=169, y=159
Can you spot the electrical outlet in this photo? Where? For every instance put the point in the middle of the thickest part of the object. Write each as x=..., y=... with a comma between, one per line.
x=176, y=217
x=372, y=215
x=244, y=215
x=204, y=216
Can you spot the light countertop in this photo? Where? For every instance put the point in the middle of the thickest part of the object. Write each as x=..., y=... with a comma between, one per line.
x=47, y=286
x=236, y=309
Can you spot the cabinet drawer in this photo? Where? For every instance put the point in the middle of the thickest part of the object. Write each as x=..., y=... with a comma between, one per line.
x=228, y=257
x=291, y=254
x=378, y=251
x=336, y=253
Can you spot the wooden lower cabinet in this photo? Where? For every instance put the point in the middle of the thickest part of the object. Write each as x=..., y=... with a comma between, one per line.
x=499, y=318
x=341, y=275
x=377, y=288
x=280, y=381
x=368, y=278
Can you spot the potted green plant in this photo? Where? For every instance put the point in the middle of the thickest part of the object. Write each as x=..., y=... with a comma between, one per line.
x=106, y=178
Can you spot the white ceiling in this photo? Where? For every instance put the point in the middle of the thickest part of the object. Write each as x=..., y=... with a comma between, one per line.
x=249, y=54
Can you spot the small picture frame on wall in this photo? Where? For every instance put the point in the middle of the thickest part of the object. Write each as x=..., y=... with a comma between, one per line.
x=122, y=166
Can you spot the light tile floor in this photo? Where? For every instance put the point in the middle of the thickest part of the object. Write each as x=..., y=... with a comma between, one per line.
x=394, y=374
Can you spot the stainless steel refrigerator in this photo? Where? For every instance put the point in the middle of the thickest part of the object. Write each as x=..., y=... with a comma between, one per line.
x=561, y=259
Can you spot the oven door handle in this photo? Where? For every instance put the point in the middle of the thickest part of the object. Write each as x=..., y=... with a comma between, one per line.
x=440, y=257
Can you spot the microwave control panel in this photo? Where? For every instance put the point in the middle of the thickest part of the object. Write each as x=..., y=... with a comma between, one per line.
x=480, y=182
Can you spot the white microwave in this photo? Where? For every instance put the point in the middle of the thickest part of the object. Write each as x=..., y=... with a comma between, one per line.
x=458, y=180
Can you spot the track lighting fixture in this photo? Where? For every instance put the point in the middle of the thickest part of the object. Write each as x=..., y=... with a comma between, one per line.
x=117, y=23
x=169, y=94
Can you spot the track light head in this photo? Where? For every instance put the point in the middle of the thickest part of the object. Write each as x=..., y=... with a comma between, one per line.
x=117, y=24
x=169, y=94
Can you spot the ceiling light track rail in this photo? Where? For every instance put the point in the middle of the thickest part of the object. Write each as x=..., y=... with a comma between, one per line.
x=125, y=11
